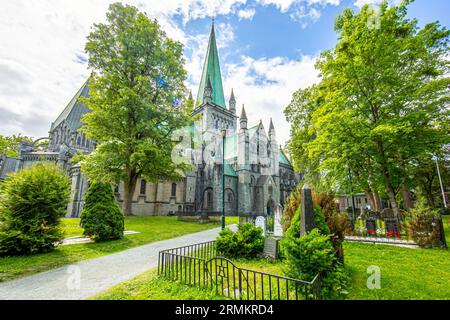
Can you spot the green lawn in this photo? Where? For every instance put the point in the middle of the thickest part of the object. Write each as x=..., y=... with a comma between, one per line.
x=152, y=229
x=406, y=273
x=148, y=286
x=446, y=222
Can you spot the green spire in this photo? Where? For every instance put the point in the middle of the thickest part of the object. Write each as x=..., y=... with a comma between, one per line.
x=211, y=70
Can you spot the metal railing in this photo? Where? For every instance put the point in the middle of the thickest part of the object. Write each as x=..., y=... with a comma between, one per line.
x=198, y=265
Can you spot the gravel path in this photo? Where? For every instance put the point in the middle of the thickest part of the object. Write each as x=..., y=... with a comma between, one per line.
x=86, y=278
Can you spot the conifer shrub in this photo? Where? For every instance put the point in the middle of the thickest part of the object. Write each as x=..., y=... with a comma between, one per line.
x=311, y=254
x=319, y=221
x=101, y=217
x=247, y=242
x=423, y=225
x=31, y=204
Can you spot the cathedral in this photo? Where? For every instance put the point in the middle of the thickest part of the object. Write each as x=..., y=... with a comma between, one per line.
x=237, y=165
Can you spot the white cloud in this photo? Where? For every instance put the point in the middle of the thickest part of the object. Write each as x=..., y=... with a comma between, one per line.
x=285, y=5
x=246, y=14
x=304, y=12
x=305, y=15
x=360, y=3
x=42, y=60
x=265, y=87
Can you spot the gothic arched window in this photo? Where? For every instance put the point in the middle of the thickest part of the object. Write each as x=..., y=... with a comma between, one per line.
x=143, y=186
x=174, y=189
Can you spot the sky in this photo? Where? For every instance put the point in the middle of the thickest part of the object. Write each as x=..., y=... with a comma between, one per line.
x=267, y=50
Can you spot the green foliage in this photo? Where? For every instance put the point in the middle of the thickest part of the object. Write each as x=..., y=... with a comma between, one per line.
x=336, y=283
x=31, y=204
x=9, y=145
x=137, y=74
x=247, y=242
x=101, y=218
x=290, y=208
x=423, y=225
x=310, y=254
x=319, y=220
x=294, y=227
x=380, y=107
x=422, y=208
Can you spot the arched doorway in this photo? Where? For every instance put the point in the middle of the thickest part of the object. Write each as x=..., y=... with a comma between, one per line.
x=208, y=199
x=230, y=202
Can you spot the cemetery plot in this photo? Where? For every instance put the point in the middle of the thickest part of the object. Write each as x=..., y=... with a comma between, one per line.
x=199, y=265
x=385, y=227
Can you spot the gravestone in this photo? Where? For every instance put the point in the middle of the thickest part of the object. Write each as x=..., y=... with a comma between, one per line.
x=261, y=222
x=391, y=225
x=278, y=229
x=387, y=213
x=307, y=213
x=271, y=248
x=371, y=224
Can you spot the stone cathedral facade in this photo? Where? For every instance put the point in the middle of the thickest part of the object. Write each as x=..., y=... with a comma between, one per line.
x=257, y=175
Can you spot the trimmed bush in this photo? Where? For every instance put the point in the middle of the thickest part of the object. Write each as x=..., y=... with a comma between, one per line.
x=101, y=217
x=313, y=253
x=319, y=220
x=307, y=255
x=31, y=204
x=247, y=242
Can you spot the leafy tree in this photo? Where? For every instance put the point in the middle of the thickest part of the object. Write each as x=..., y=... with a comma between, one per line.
x=101, y=217
x=424, y=173
x=9, y=145
x=31, y=204
x=135, y=89
x=381, y=102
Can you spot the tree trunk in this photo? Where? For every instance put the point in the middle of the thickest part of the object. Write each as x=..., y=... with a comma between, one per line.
x=406, y=195
x=393, y=200
x=376, y=197
x=129, y=188
x=407, y=203
x=371, y=198
x=387, y=179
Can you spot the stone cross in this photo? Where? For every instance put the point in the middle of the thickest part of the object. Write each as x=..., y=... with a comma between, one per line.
x=307, y=213
x=278, y=229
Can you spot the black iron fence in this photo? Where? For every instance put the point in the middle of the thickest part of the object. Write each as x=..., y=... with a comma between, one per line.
x=198, y=265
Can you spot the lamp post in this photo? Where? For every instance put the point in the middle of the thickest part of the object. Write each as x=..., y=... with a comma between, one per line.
x=224, y=133
x=440, y=182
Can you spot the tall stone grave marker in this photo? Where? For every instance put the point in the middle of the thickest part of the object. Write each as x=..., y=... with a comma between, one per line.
x=277, y=229
x=261, y=222
x=307, y=213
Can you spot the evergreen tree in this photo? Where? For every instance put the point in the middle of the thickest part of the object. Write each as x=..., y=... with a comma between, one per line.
x=101, y=217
